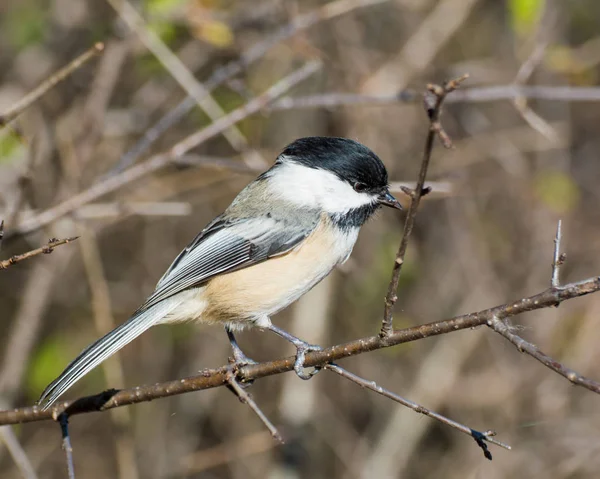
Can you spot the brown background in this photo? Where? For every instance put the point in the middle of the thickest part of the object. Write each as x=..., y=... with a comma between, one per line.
x=484, y=238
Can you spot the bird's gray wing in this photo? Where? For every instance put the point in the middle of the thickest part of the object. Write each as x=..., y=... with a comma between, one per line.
x=225, y=246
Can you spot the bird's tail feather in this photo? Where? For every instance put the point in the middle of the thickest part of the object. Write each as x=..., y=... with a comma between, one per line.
x=103, y=348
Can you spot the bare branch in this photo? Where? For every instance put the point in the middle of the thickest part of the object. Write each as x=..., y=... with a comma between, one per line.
x=218, y=377
x=59, y=76
x=63, y=420
x=484, y=94
x=503, y=328
x=534, y=120
x=526, y=347
x=559, y=258
x=177, y=69
x=244, y=397
x=8, y=437
x=480, y=437
x=161, y=160
x=53, y=243
x=432, y=100
x=228, y=71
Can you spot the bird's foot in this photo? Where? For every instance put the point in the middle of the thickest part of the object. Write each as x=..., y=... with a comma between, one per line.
x=302, y=347
x=239, y=358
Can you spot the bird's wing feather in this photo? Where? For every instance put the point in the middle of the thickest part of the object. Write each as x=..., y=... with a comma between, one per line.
x=226, y=246
x=221, y=247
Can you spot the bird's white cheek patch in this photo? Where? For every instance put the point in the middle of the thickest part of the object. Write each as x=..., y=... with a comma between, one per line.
x=315, y=188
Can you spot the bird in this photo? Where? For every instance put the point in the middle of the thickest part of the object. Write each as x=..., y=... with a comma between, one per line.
x=282, y=234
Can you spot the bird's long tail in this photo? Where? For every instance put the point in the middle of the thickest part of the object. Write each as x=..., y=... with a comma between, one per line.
x=103, y=348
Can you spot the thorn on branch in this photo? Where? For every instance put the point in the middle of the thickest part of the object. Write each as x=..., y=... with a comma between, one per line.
x=407, y=191
x=411, y=193
x=436, y=126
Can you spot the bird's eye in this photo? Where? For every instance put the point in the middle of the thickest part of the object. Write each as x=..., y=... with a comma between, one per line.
x=359, y=187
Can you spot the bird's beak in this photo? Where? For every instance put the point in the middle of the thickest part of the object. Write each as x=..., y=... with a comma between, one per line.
x=387, y=199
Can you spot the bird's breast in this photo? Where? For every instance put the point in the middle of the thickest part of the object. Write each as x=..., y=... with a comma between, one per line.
x=268, y=287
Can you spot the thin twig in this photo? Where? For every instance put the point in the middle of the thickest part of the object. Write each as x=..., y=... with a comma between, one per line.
x=218, y=377
x=479, y=437
x=59, y=76
x=63, y=420
x=162, y=160
x=503, y=328
x=177, y=69
x=558, y=258
x=526, y=347
x=228, y=71
x=47, y=249
x=433, y=100
x=484, y=94
x=113, y=368
x=244, y=397
x=534, y=120
x=22, y=335
x=8, y=437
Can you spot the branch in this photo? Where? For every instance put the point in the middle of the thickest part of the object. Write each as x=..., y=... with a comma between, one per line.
x=157, y=162
x=243, y=396
x=228, y=71
x=558, y=259
x=218, y=377
x=59, y=76
x=526, y=347
x=182, y=75
x=433, y=99
x=53, y=243
x=534, y=120
x=63, y=420
x=504, y=329
x=484, y=94
x=479, y=437
x=14, y=448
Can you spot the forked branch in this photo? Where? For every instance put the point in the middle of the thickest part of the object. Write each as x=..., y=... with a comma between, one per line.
x=432, y=100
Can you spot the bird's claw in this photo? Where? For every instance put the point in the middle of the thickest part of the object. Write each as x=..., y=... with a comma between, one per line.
x=301, y=349
x=240, y=359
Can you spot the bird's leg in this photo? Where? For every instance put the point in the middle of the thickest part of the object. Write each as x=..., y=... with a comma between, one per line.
x=302, y=347
x=238, y=355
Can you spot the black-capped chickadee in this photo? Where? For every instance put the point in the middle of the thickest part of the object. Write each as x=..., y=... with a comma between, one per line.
x=279, y=237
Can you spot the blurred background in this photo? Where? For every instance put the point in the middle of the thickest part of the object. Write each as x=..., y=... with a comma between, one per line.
x=484, y=237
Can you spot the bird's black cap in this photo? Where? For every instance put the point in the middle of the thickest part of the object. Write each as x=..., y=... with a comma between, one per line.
x=348, y=159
